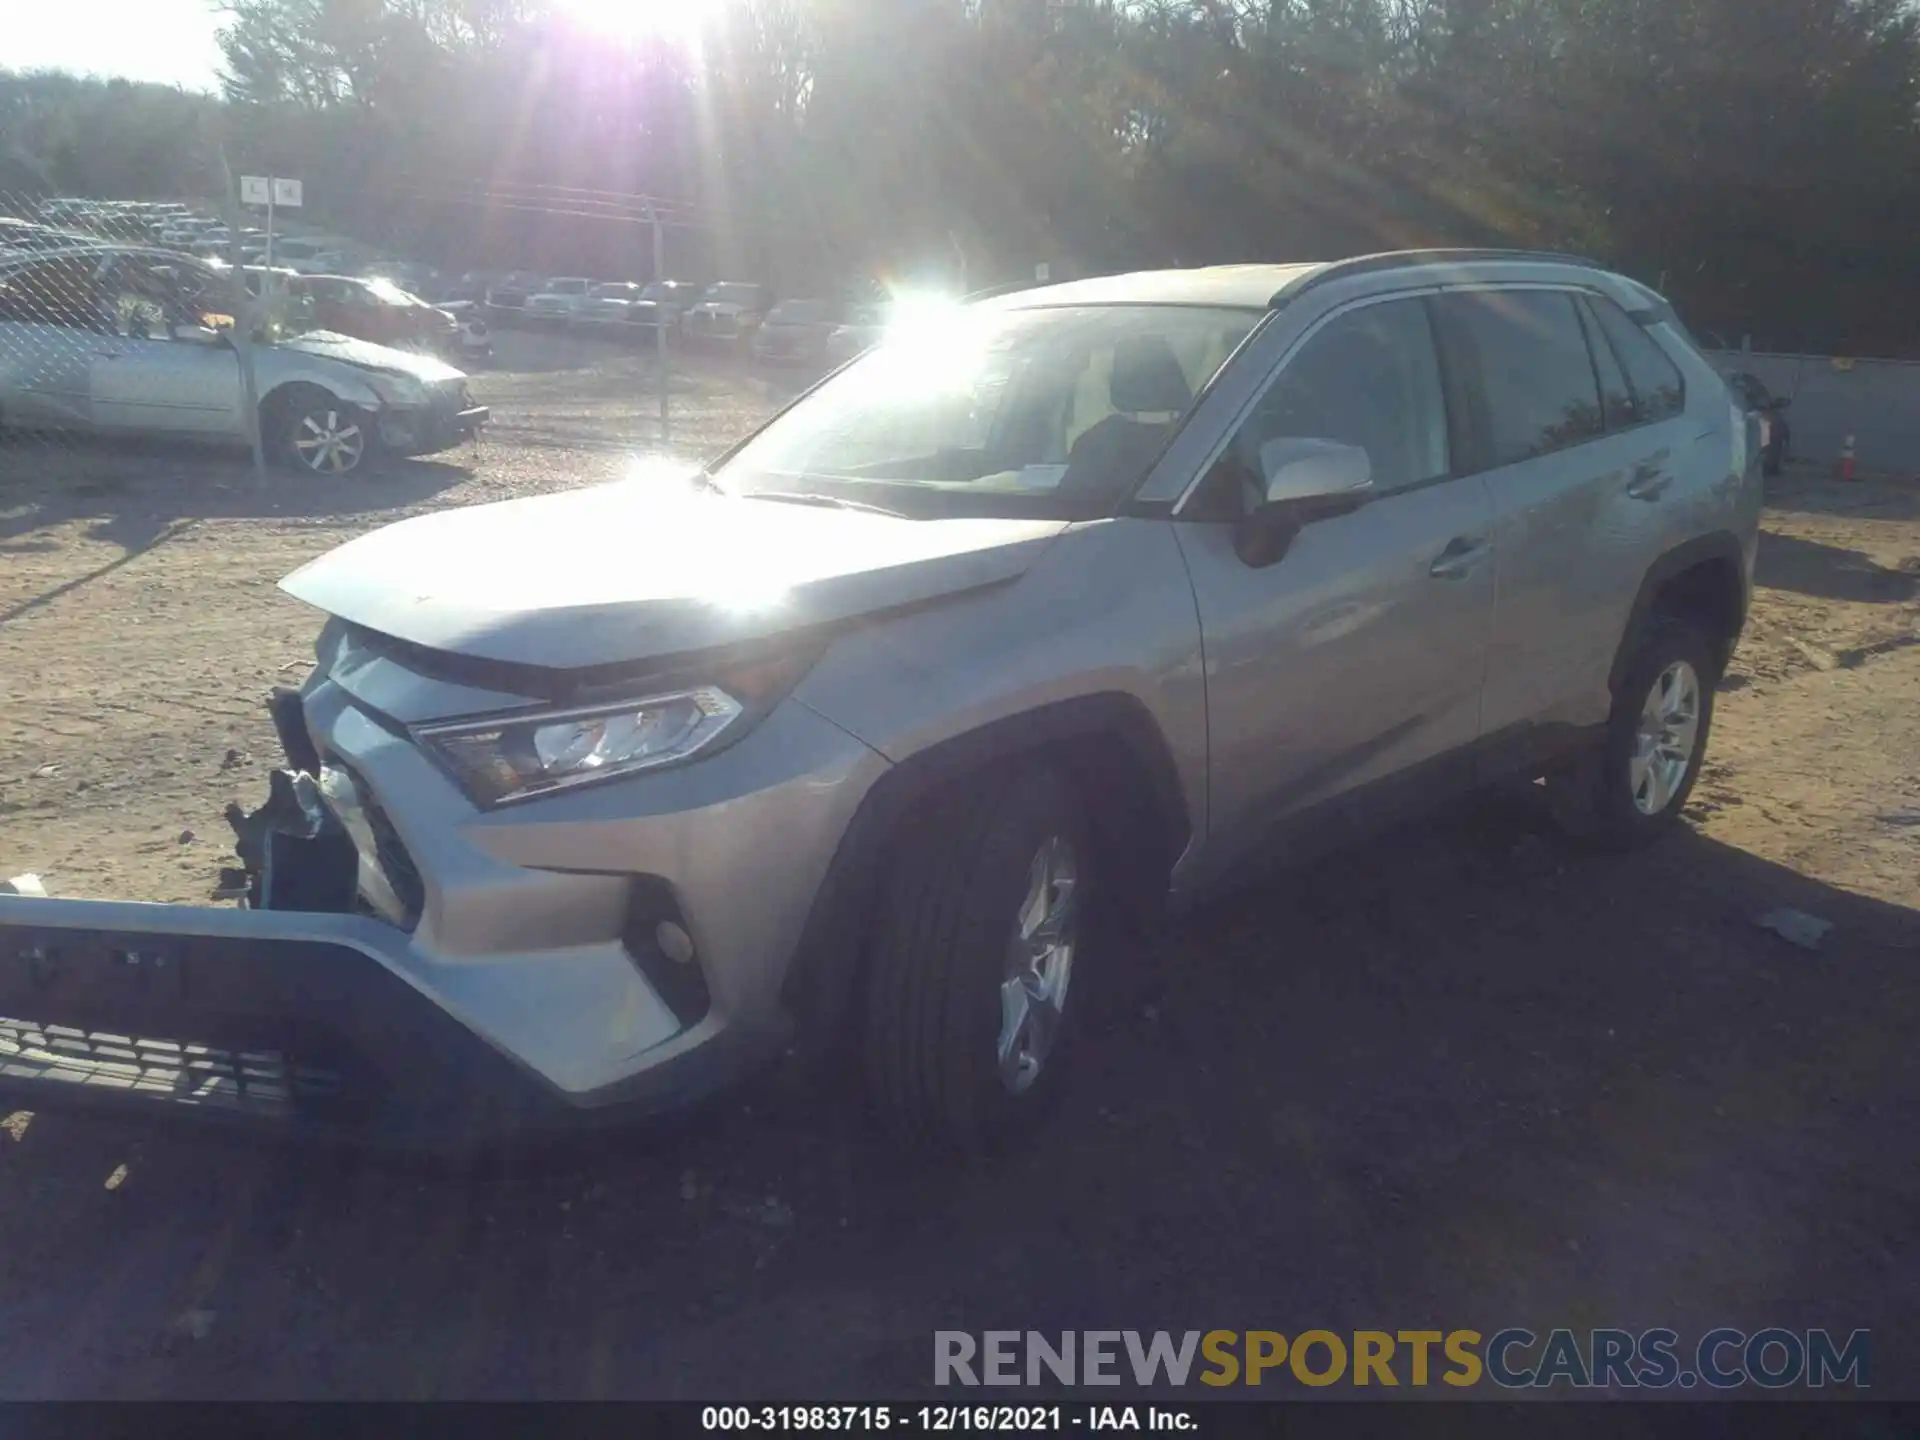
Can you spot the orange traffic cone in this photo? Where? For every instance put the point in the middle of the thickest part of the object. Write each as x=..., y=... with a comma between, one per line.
x=1844, y=468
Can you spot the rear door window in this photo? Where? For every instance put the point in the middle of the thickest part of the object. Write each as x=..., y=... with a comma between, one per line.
x=1659, y=392
x=1616, y=397
x=53, y=292
x=1541, y=393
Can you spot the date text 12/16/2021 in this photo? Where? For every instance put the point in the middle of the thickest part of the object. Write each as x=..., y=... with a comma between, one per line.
x=947, y=1419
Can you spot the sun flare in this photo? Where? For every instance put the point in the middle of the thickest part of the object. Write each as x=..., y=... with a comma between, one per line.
x=680, y=20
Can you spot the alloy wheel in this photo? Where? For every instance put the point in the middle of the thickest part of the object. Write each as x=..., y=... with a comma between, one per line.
x=1665, y=739
x=1039, y=966
x=329, y=441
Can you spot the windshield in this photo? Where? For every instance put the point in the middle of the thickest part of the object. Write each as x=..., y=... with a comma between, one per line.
x=1046, y=412
x=729, y=292
x=388, y=293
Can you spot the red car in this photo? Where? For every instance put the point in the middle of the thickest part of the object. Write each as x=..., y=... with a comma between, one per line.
x=377, y=310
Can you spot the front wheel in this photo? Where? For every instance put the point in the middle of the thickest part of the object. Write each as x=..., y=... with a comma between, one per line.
x=972, y=963
x=1631, y=787
x=320, y=433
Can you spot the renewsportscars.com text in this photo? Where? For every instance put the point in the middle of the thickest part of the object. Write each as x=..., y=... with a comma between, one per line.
x=1723, y=1359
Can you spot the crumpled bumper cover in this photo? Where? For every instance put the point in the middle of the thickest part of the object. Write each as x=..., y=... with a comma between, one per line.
x=428, y=430
x=271, y=1019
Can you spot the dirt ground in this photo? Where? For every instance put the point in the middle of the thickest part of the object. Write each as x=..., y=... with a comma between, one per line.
x=1467, y=1079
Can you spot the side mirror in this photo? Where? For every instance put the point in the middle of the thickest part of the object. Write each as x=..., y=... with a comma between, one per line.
x=1302, y=480
x=1296, y=470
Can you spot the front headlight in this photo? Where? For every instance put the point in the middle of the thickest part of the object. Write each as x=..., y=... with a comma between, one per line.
x=516, y=758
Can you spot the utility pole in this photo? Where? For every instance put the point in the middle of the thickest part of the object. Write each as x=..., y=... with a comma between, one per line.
x=660, y=327
x=243, y=316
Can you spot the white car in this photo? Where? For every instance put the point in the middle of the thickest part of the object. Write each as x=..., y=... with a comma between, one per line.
x=560, y=300
x=728, y=311
x=476, y=340
x=864, y=328
x=607, y=305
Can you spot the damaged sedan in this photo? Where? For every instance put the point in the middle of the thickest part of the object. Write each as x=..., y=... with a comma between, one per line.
x=118, y=340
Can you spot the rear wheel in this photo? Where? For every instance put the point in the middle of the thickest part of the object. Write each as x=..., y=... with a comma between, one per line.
x=972, y=963
x=316, y=431
x=1631, y=788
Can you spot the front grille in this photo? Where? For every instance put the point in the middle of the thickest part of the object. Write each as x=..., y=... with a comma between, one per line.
x=267, y=1082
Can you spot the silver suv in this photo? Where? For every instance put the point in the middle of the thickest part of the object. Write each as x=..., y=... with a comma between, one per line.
x=887, y=729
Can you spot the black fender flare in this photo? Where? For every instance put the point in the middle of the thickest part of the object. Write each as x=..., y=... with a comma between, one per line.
x=824, y=967
x=1718, y=547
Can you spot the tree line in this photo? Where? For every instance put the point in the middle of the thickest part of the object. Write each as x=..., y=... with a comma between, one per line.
x=1758, y=159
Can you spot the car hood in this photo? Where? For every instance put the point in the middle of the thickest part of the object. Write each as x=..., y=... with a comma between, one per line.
x=369, y=356
x=639, y=570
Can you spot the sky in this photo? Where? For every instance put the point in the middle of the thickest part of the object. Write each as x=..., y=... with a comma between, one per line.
x=171, y=41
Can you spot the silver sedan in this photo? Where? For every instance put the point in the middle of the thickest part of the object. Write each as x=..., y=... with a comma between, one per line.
x=124, y=340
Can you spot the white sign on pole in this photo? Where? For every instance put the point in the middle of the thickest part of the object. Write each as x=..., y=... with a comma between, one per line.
x=270, y=190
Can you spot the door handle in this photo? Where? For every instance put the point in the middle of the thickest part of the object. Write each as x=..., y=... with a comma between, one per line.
x=1649, y=482
x=1650, y=478
x=1460, y=559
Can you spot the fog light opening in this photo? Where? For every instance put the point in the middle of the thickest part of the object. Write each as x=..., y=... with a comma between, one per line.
x=674, y=942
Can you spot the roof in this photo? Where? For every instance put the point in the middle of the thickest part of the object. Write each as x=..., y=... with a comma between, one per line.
x=1255, y=287
x=1250, y=287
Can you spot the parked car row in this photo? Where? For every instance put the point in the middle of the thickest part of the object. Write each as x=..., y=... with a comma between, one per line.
x=176, y=226
x=728, y=313
x=413, y=304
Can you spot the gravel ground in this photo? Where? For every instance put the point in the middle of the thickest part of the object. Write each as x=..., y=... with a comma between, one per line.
x=1466, y=1078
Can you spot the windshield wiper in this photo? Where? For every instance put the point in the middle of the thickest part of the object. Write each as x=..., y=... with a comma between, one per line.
x=831, y=502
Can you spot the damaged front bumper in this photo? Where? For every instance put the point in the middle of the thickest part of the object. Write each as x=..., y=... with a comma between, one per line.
x=450, y=420
x=272, y=1019
x=411, y=971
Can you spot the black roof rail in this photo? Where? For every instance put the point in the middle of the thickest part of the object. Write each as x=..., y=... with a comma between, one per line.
x=1405, y=259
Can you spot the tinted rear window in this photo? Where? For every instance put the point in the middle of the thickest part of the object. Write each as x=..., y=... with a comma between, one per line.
x=1531, y=354
x=1659, y=392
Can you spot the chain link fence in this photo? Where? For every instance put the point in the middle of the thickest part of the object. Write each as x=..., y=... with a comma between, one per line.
x=159, y=324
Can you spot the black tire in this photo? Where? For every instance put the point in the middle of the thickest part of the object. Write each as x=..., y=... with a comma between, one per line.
x=295, y=420
x=1594, y=798
x=939, y=952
